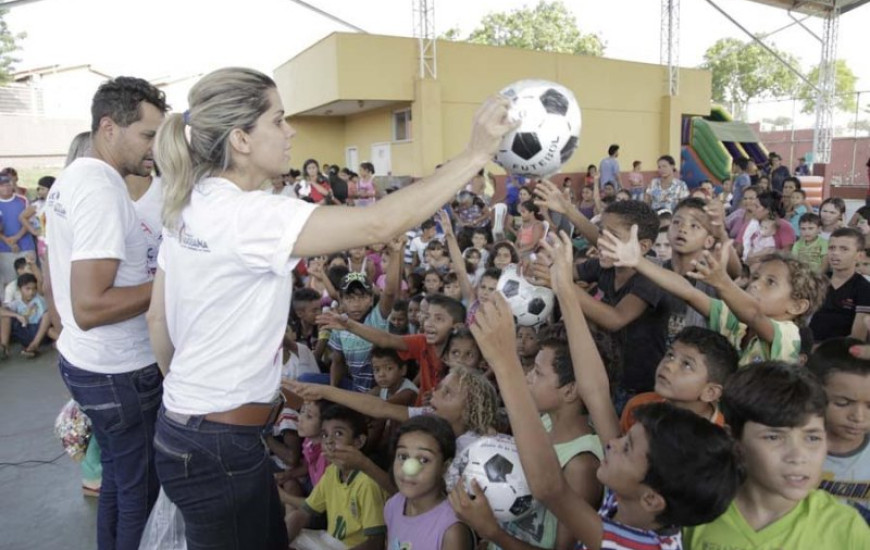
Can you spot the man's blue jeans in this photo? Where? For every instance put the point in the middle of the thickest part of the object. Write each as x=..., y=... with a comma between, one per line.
x=220, y=477
x=122, y=409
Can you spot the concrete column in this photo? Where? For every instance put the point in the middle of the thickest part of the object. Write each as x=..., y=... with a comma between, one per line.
x=426, y=126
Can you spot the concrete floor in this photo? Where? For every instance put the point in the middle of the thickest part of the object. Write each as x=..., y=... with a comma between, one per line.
x=41, y=507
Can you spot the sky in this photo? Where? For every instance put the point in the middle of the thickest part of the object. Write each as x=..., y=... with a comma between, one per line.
x=161, y=38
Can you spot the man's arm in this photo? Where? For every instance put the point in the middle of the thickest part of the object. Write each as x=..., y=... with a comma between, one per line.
x=392, y=214
x=158, y=330
x=859, y=327
x=95, y=299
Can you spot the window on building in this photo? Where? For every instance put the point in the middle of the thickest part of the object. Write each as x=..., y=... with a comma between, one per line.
x=402, y=125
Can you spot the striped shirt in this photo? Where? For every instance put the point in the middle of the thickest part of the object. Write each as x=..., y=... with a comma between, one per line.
x=358, y=351
x=617, y=536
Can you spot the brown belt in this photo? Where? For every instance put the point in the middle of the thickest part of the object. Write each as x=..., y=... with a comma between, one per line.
x=249, y=414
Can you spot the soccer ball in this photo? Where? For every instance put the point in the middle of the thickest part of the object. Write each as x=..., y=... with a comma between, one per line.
x=494, y=463
x=530, y=304
x=549, y=129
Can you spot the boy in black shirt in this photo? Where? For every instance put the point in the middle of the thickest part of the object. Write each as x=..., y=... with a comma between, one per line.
x=848, y=300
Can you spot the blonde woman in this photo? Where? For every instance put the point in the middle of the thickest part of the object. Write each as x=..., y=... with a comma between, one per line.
x=222, y=291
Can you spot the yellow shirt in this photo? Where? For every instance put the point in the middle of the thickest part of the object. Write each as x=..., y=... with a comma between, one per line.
x=786, y=345
x=354, y=508
x=818, y=522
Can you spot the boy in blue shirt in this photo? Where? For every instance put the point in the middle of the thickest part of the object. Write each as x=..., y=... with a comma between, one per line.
x=25, y=321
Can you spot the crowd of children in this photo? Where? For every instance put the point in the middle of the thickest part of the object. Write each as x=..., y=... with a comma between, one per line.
x=689, y=391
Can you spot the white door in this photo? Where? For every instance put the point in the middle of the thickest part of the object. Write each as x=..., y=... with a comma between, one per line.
x=381, y=158
x=351, y=158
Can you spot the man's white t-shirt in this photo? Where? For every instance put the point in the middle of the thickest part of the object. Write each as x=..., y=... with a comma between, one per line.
x=90, y=217
x=228, y=280
x=149, y=209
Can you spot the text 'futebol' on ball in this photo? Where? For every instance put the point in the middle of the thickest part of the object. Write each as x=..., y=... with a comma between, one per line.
x=549, y=130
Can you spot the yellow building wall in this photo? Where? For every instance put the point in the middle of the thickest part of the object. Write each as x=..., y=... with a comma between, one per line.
x=320, y=138
x=310, y=78
x=621, y=102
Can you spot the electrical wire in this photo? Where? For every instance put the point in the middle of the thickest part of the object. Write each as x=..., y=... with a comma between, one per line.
x=33, y=463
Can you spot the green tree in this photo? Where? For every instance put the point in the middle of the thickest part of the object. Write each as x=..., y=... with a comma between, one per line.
x=743, y=71
x=7, y=46
x=548, y=27
x=844, y=88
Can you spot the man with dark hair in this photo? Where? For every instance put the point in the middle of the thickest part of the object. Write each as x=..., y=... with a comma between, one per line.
x=609, y=169
x=778, y=172
x=102, y=288
x=847, y=303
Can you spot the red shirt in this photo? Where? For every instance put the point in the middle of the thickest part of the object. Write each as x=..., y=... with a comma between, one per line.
x=431, y=367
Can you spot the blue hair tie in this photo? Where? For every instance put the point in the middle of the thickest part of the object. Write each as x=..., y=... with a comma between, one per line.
x=186, y=117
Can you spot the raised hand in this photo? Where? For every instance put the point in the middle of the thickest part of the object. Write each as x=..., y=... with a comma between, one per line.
x=623, y=254
x=711, y=267
x=715, y=210
x=346, y=457
x=495, y=332
x=397, y=244
x=549, y=196
x=332, y=320
x=446, y=223
x=561, y=253
x=491, y=123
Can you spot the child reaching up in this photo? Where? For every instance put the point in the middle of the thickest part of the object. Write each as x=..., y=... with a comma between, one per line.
x=673, y=468
x=419, y=516
x=761, y=321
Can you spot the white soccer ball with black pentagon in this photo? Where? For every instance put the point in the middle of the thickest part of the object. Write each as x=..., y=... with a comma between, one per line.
x=530, y=304
x=549, y=128
x=494, y=463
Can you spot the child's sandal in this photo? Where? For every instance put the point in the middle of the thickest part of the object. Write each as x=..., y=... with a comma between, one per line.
x=28, y=354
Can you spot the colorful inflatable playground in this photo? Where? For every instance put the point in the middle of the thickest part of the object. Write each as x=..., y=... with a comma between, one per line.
x=710, y=145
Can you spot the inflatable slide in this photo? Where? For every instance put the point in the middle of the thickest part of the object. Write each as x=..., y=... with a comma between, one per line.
x=710, y=144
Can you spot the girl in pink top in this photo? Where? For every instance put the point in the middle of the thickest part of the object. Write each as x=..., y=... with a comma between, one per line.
x=365, y=193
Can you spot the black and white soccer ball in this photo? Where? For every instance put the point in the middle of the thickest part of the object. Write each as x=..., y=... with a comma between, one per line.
x=530, y=304
x=549, y=130
x=494, y=462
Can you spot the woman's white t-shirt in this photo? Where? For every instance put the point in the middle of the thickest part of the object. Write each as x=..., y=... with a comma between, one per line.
x=227, y=293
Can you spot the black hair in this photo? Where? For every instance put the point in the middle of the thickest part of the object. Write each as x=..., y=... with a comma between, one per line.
x=305, y=165
x=837, y=202
x=797, y=182
x=19, y=263
x=387, y=353
x=612, y=149
x=434, y=426
x=562, y=364
x=491, y=273
x=665, y=216
x=368, y=166
x=120, y=99
x=304, y=295
x=635, y=163
x=810, y=217
x=427, y=224
x=772, y=393
x=417, y=298
x=401, y=306
x=533, y=208
x=742, y=163
x=807, y=340
x=832, y=356
x=693, y=203
x=336, y=273
x=415, y=284
x=453, y=307
x=669, y=159
x=357, y=421
x=636, y=213
x=26, y=279
x=515, y=256
x=720, y=356
x=610, y=183
x=864, y=212
x=432, y=271
x=850, y=232
x=46, y=181
x=770, y=201
x=336, y=255
x=692, y=463
x=450, y=277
